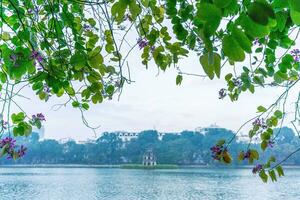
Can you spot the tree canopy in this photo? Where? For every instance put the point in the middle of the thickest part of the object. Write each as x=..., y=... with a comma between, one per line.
x=181, y=148
x=79, y=49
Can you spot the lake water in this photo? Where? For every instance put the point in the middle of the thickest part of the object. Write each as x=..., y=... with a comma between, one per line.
x=124, y=184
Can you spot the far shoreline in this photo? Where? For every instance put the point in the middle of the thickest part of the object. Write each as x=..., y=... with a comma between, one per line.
x=122, y=166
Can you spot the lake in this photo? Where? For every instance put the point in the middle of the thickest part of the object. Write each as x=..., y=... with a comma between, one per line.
x=125, y=184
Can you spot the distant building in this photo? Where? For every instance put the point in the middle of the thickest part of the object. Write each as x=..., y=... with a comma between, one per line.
x=149, y=158
x=65, y=140
x=205, y=130
x=127, y=136
x=88, y=141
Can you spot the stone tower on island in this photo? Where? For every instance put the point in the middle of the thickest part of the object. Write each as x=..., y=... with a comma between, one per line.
x=149, y=158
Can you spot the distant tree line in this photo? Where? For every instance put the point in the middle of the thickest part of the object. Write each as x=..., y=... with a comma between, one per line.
x=185, y=148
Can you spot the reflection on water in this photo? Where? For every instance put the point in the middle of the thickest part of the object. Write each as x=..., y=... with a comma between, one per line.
x=122, y=184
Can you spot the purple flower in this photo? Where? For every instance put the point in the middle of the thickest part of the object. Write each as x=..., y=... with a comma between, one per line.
x=13, y=57
x=22, y=151
x=222, y=93
x=35, y=55
x=30, y=11
x=8, y=145
x=247, y=154
x=260, y=123
x=256, y=41
x=271, y=144
x=142, y=43
x=296, y=55
x=39, y=117
x=256, y=122
x=259, y=43
x=87, y=27
x=216, y=151
x=36, y=10
x=3, y=124
x=152, y=48
x=46, y=89
x=237, y=82
x=8, y=142
x=257, y=168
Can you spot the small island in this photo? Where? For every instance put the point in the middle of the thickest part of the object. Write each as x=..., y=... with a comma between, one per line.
x=149, y=162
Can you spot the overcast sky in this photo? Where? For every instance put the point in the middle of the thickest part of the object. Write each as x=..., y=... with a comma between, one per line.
x=154, y=102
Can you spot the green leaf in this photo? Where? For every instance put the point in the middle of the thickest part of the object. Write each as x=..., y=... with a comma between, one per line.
x=222, y=3
x=260, y=12
x=17, y=118
x=211, y=16
x=295, y=15
x=228, y=77
x=110, y=90
x=22, y=129
x=5, y=36
x=242, y=39
x=85, y=106
x=251, y=133
x=221, y=142
x=241, y=156
x=264, y=145
x=226, y=157
x=178, y=79
x=211, y=67
x=263, y=176
x=294, y=5
x=60, y=92
x=70, y=91
x=232, y=49
x=278, y=114
x=281, y=18
x=274, y=121
x=279, y=4
x=261, y=109
x=92, y=22
x=134, y=9
x=18, y=131
x=97, y=98
x=180, y=31
x=38, y=124
x=279, y=171
x=95, y=61
x=118, y=10
x=208, y=12
x=254, y=154
x=75, y=104
x=253, y=29
x=78, y=60
x=272, y=175
x=265, y=136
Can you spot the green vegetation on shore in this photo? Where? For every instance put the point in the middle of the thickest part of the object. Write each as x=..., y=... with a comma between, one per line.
x=187, y=148
x=139, y=166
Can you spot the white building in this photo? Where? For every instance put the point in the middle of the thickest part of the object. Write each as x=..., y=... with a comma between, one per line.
x=127, y=136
